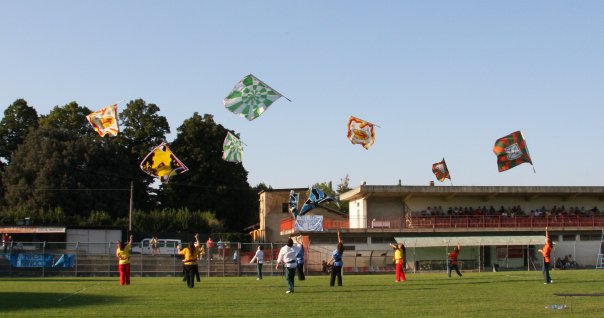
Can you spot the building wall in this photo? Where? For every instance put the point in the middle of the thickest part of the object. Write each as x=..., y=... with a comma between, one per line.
x=358, y=213
x=99, y=241
x=271, y=214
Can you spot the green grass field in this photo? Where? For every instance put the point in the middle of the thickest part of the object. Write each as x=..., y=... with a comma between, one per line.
x=502, y=294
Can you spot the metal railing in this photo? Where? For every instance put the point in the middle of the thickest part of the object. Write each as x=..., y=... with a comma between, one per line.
x=48, y=259
x=461, y=222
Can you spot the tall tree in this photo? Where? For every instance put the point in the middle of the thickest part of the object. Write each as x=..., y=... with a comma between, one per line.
x=342, y=187
x=211, y=184
x=54, y=168
x=142, y=128
x=70, y=117
x=18, y=119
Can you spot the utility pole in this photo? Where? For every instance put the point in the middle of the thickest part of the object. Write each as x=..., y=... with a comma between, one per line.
x=130, y=210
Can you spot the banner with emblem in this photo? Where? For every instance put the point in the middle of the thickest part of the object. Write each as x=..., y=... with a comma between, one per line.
x=309, y=223
x=511, y=151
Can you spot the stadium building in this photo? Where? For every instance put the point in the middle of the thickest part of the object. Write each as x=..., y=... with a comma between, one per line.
x=497, y=226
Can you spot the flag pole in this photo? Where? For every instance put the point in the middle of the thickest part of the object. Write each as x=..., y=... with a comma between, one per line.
x=527, y=151
x=130, y=209
x=370, y=123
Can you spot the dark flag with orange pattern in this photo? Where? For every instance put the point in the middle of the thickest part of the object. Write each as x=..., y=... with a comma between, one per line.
x=511, y=151
x=441, y=171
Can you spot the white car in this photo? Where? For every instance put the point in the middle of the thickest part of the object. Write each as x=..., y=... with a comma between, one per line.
x=166, y=247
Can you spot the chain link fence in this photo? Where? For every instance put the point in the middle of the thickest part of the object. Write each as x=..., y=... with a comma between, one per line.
x=47, y=259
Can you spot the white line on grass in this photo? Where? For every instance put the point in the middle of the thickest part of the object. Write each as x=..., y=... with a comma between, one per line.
x=77, y=292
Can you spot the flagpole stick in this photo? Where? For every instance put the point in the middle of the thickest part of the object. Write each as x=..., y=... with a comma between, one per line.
x=271, y=88
x=370, y=123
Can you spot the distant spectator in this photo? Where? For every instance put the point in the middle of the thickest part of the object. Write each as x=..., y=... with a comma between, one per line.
x=220, y=246
x=209, y=246
x=154, y=247
x=5, y=242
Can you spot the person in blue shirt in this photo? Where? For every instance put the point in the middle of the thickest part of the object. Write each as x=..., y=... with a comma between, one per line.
x=336, y=260
x=300, y=262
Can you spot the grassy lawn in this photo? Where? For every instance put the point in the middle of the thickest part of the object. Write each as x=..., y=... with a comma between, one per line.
x=502, y=294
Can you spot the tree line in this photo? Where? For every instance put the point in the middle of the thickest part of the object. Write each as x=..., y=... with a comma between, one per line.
x=56, y=170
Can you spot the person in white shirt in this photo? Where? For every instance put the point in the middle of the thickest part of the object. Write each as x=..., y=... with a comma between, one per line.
x=259, y=258
x=287, y=256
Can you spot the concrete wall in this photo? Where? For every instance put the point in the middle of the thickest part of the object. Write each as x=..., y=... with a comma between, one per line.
x=99, y=241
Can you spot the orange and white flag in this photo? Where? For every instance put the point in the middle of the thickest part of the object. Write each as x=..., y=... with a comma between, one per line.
x=360, y=132
x=104, y=121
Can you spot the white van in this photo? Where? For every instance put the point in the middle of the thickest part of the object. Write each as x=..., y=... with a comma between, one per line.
x=166, y=246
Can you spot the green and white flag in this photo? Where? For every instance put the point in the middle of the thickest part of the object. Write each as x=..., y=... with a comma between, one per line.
x=232, y=148
x=250, y=98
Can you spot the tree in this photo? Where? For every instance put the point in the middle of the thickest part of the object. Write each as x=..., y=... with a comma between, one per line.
x=211, y=184
x=142, y=128
x=18, y=119
x=343, y=186
x=71, y=118
x=54, y=168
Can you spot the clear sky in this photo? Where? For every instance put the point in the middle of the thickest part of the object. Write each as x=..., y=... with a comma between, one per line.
x=441, y=79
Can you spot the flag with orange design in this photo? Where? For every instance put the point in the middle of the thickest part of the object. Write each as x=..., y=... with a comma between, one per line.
x=511, y=151
x=361, y=132
x=441, y=171
x=104, y=121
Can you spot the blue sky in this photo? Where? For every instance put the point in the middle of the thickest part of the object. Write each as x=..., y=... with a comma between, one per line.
x=441, y=79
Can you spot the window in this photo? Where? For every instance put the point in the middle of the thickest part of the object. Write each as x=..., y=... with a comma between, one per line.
x=590, y=237
x=570, y=237
x=512, y=251
x=381, y=239
x=284, y=208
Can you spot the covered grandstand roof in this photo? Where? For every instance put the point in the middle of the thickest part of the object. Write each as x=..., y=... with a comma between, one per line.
x=471, y=240
x=487, y=192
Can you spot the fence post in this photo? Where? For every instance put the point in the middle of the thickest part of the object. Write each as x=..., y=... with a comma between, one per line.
x=43, y=257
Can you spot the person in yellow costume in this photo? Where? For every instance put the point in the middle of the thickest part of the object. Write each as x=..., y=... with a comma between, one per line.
x=399, y=255
x=123, y=255
x=190, y=254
